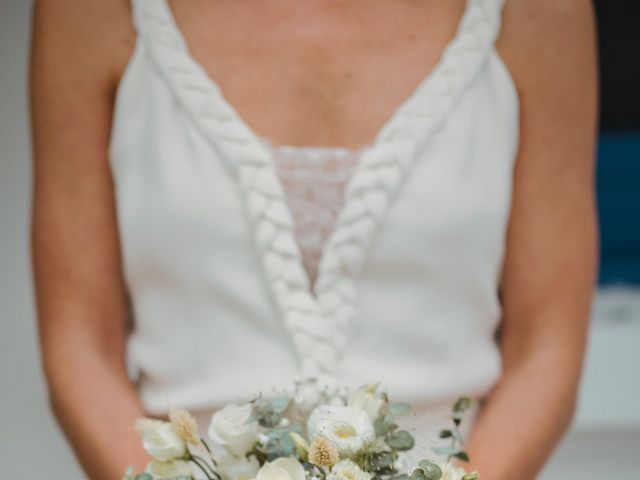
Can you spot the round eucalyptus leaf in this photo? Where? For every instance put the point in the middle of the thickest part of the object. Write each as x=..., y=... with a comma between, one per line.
x=270, y=419
x=383, y=425
x=431, y=470
x=418, y=474
x=401, y=440
x=400, y=408
x=279, y=404
x=382, y=462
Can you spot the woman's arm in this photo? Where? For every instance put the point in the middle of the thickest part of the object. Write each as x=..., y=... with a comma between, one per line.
x=552, y=239
x=80, y=295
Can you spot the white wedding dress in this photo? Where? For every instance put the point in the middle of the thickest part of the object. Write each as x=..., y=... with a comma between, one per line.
x=248, y=264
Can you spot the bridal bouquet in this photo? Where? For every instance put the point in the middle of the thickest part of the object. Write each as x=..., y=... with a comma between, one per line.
x=311, y=433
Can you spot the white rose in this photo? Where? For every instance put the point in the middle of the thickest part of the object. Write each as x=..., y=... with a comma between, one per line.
x=161, y=440
x=347, y=470
x=234, y=468
x=348, y=428
x=230, y=428
x=283, y=468
x=367, y=399
x=172, y=469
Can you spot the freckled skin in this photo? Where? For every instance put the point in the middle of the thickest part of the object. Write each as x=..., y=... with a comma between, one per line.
x=319, y=72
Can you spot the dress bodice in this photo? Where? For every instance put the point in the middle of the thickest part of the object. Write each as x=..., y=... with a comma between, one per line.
x=406, y=253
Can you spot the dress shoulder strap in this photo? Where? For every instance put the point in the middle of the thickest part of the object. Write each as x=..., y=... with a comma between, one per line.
x=136, y=14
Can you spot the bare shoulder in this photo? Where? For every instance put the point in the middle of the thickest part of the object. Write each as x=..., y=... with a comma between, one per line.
x=550, y=50
x=547, y=39
x=81, y=38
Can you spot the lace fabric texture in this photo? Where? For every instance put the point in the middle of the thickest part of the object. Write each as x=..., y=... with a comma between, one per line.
x=314, y=180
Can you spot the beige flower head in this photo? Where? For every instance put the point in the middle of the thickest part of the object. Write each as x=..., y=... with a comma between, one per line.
x=185, y=425
x=322, y=452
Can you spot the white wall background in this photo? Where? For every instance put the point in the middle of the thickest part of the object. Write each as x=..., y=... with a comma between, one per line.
x=604, y=443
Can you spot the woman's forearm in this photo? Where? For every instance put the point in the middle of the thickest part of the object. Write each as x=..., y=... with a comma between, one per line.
x=523, y=418
x=96, y=405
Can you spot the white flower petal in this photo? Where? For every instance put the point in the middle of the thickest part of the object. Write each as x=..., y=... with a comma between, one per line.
x=292, y=466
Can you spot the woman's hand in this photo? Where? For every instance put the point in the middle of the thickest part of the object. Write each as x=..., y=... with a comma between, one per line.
x=551, y=259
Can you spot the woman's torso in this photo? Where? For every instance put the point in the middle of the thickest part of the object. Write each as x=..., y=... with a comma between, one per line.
x=408, y=285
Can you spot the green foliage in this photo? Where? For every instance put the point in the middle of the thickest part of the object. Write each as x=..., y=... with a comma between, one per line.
x=383, y=425
x=400, y=440
x=418, y=474
x=280, y=443
x=376, y=462
x=455, y=450
x=431, y=470
x=402, y=476
x=313, y=470
x=382, y=463
x=400, y=408
x=462, y=455
x=268, y=412
x=462, y=404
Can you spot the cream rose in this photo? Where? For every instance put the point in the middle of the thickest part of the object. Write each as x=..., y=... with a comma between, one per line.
x=347, y=470
x=367, y=399
x=283, y=468
x=234, y=468
x=230, y=427
x=161, y=440
x=172, y=469
x=347, y=428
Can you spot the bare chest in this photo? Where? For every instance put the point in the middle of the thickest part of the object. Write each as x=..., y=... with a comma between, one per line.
x=317, y=73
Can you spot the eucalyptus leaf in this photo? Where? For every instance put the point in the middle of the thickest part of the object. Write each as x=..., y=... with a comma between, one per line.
x=462, y=404
x=401, y=440
x=382, y=463
x=279, y=404
x=462, y=455
x=383, y=425
x=279, y=443
x=400, y=408
x=431, y=470
x=418, y=474
x=402, y=476
x=270, y=420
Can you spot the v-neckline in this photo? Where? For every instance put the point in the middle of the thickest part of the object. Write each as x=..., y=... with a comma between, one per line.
x=256, y=139
x=319, y=319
